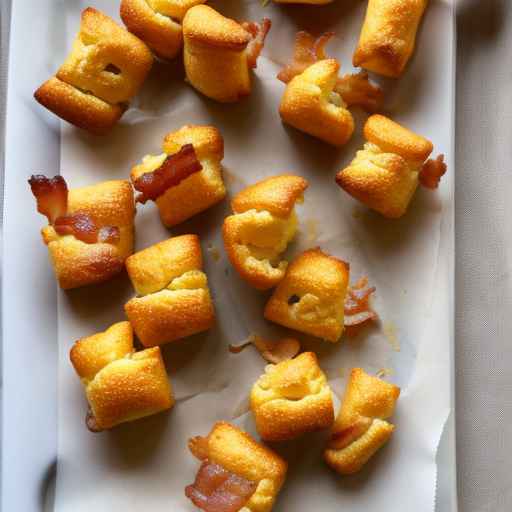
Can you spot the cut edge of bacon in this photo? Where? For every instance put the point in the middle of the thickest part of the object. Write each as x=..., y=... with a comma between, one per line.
x=215, y=489
x=51, y=195
x=357, y=305
x=308, y=50
x=347, y=436
x=272, y=351
x=174, y=169
x=432, y=172
x=258, y=32
x=356, y=89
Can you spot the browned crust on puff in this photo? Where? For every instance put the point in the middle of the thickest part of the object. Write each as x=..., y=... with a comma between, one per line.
x=205, y=25
x=161, y=33
x=395, y=138
x=290, y=406
x=76, y=107
x=277, y=195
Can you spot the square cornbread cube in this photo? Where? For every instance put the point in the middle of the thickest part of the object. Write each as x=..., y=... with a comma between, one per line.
x=311, y=105
x=77, y=263
x=360, y=429
x=173, y=297
x=104, y=70
x=292, y=398
x=385, y=174
x=311, y=296
x=200, y=190
x=157, y=23
x=263, y=224
x=121, y=385
x=257, y=472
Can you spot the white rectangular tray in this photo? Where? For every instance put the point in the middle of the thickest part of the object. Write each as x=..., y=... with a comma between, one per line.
x=29, y=298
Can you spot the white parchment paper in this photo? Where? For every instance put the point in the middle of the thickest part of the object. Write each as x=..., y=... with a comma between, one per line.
x=145, y=465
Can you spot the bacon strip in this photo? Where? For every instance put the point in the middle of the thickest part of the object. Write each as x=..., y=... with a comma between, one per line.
x=216, y=489
x=259, y=32
x=51, y=195
x=355, y=89
x=432, y=171
x=52, y=201
x=308, y=50
x=357, y=306
x=272, y=351
x=175, y=169
x=347, y=436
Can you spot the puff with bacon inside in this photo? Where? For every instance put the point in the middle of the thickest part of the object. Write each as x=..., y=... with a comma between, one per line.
x=120, y=384
x=104, y=70
x=157, y=23
x=197, y=152
x=90, y=230
x=220, y=52
x=388, y=35
x=263, y=224
x=173, y=300
x=385, y=174
x=236, y=473
x=292, y=398
x=311, y=296
x=361, y=429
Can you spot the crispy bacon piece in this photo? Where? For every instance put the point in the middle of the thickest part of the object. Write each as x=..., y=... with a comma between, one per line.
x=51, y=195
x=432, y=171
x=272, y=351
x=109, y=235
x=258, y=32
x=176, y=168
x=308, y=50
x=356, y=89
x=83, y=227
x=357, y=304
x=216, y=489
x=347, y=436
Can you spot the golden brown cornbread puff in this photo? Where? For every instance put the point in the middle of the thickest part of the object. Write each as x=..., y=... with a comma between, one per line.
x=120, y=384
x=263, y=225
x=388, y=35
x=292, y=398
x=104, y=70
x=384, y=174
x=311, y=105
x=310, y=2
x=360, y=430
x=157, y=23
x=311, y=296
x=200, y=190
x=77, y=263
x=216, y=54
x=238, y=453
x=174, y=299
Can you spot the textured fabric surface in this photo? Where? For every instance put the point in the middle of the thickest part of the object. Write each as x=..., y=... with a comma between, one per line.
x=483, y=264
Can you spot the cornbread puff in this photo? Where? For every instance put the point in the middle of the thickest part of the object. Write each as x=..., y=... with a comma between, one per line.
x=310, y=2
x=120, y=384
x=157, y=23
x=219, y=52
x=105, y=69
x=173, y=297
x=384, y=175
x=360, y=428
x=388, y=35
x=311, y=296
x=311, y=105
x=201, y=189
x=229, y=454
x=292, y=398
x=263, y=225
x=77, y=263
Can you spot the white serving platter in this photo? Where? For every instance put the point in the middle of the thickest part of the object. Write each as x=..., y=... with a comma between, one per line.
x=29, y=294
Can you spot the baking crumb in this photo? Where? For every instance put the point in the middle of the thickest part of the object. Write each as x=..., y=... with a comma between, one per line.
x=312, y=230
x=391, y=333
x=385, y=372
x=214, y=252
